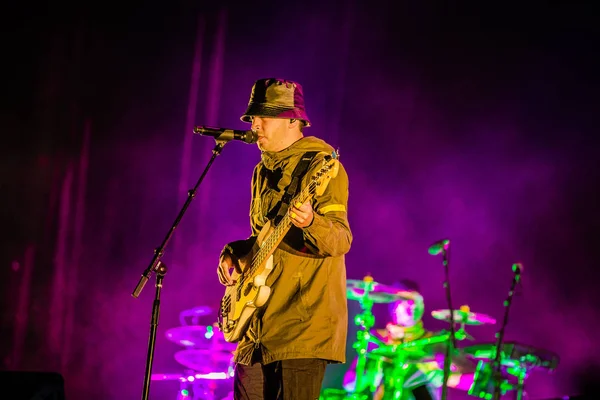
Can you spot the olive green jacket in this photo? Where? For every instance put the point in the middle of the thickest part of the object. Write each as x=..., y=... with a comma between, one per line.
x=306, y=315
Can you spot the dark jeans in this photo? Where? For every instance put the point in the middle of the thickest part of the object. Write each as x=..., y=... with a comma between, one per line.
x=298, y=379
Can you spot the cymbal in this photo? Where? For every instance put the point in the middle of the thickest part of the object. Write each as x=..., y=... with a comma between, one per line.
x=376, y=292
x=167, y=377
x=463, y=316
x=198, y=311
x=200, y=337
x=205, y=360
x=193, y=314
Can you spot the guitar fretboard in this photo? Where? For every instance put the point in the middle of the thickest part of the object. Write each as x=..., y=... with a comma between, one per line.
x=269, y=245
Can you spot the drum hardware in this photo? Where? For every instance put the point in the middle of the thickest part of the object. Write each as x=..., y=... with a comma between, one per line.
x=401, y=356
x=497, y=371
x=485, y=382
x=516, y=360
x=207, y=359
x=441, y=247
x=193, y=386
x=461, y=317
x=199, y=337
x=368, y=292
x=333, y=394
x=361, y=291
x=517, y=268
x=464, y=316
x=192, y=316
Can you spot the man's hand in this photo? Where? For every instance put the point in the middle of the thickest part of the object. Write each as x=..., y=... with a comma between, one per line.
x=301, y=215
x=226, y=264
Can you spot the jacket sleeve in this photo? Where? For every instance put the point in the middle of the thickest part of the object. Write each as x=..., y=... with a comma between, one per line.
x=329, y=233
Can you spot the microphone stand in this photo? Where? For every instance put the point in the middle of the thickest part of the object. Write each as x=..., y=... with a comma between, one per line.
x=500, y=335
x=452, y=340
x=156, y=265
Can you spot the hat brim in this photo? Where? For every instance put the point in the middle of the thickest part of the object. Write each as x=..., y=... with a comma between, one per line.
x=264, y=110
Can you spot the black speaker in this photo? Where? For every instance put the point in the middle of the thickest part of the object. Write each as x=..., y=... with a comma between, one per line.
x=22, y=385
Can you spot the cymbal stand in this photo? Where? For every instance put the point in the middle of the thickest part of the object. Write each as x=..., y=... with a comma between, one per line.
x=520, y=383
x=398, y=377
x=520, y=371
x=461, y=333
x=365, y=320
x=442, y=247
x=517, y=268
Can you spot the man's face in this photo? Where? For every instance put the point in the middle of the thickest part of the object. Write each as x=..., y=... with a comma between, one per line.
x=272, y=132
x=404, y=313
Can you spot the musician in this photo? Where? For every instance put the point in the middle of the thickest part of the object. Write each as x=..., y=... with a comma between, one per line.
x=303, y=326
x=423, y=380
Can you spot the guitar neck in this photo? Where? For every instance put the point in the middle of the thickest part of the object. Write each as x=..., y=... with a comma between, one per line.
x=270, y=244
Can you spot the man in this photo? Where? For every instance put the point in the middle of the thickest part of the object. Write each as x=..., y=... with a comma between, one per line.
x=303, y=326
x=423, y=375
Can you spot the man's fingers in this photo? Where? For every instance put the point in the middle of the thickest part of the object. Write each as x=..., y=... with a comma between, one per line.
x=226, y=264
x=297, y=215
x=306, y=207
x=222, y=278
x=301, y=215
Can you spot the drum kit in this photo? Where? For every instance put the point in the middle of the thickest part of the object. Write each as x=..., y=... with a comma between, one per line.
x=381, y=365
x=206, y=360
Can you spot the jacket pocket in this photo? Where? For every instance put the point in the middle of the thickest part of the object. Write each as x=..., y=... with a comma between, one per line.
x=301, y=303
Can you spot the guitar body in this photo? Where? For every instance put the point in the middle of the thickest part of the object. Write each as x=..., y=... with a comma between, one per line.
x=250, y=293
x=246, y=296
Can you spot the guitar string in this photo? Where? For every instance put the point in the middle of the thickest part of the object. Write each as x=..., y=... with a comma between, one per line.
x=281, y=226
x=286, y=221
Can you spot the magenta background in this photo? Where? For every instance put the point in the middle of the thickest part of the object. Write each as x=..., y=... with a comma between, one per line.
x=471, y=124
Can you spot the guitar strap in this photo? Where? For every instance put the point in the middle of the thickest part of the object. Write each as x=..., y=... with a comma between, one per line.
x=294, y=185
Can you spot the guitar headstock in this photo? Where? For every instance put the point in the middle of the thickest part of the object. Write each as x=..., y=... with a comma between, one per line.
x=329, y=170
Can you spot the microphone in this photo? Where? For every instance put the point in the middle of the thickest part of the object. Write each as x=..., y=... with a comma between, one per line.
x=517, y=268
x=438, y=246
x=227, y=135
